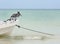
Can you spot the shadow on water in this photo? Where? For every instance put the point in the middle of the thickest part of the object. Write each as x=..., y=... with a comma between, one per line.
x=4, y=39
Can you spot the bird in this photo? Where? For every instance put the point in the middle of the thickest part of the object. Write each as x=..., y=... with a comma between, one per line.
x=16, y=15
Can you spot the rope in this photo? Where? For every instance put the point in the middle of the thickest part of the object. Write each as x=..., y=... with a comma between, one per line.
x=36, y=31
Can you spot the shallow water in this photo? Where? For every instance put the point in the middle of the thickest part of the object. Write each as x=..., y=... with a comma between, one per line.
x=12, y=41
x=21, y=40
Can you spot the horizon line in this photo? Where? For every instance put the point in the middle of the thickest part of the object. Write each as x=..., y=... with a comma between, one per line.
x=28, y=9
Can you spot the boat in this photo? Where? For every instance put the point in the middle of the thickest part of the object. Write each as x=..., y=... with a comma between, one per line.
x=7, y=26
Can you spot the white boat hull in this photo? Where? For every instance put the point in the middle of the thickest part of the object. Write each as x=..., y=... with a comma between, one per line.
x=6, y=31
x=6, y=28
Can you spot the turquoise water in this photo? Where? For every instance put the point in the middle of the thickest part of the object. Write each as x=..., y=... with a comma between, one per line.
x=47, y=21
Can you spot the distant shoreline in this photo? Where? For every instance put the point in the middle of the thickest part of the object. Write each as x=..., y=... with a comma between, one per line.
x=29, y=9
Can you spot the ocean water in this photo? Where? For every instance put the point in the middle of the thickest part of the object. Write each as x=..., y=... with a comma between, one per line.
x=47, y=21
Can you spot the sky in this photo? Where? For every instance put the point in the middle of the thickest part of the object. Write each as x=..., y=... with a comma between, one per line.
x=29, y=4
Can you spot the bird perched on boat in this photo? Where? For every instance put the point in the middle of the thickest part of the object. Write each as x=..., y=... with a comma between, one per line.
x=14, y=16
